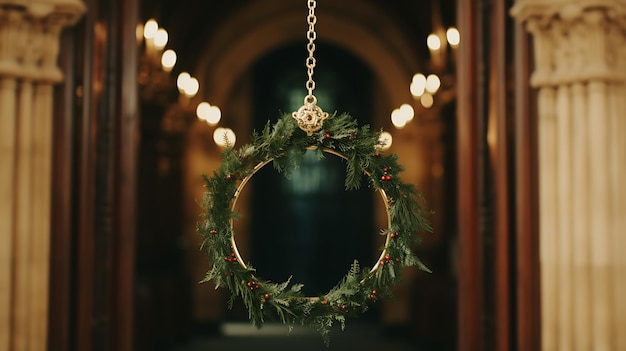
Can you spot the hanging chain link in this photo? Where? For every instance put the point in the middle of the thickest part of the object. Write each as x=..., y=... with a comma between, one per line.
x=310, y=117
x=311, y=35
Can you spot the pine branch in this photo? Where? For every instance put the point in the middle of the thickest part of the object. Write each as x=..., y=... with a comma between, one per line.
x=285, y=145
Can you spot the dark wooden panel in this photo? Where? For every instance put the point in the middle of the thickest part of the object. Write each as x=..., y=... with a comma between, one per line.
x=497, y=199
x=95, y=137
x=500, y=159
x=527, y=204
x=470, y=303
x=126, y=177
x=59, y=318
x=85, y=116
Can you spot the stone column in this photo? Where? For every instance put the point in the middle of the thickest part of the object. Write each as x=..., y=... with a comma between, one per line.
x=580, y=59
x=29, y=45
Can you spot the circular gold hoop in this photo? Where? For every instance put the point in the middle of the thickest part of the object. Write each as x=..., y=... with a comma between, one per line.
x=285, y=143
x=262, y=164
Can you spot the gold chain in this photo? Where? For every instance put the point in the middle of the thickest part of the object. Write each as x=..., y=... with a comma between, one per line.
x=311, y=35
x=310, y=116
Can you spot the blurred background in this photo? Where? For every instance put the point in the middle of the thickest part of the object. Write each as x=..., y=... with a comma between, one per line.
x=111, y=111
x=248, y=59
x=152, y=88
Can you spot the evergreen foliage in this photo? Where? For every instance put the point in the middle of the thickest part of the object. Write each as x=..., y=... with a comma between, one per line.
x=284, y=144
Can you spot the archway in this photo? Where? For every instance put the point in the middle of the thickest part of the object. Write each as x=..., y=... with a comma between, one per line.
x=224, y=71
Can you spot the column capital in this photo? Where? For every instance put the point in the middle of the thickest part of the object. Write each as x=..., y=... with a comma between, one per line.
x=43, y=8
x=575, y=40
x=524, y=10
x=29, y=37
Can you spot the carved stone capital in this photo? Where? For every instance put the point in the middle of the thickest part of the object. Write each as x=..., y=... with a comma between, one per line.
x=29, y=37
x=575, y=40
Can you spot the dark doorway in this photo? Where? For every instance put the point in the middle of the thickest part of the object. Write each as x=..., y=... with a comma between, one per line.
x=307, y=225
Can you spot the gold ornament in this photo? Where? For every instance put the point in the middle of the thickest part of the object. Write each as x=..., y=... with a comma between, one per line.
x=310, y=116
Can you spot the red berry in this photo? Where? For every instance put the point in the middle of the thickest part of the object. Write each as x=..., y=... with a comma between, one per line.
x=324, y=302
x=266, y=296
x=213, y=232
x=374, y=292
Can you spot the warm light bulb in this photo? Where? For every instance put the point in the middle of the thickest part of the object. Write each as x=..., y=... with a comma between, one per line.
x=181, y=81
x=168, y=60
x=191, y=87
x=160, y=38
x=385, y=139
x=214, y=115
x=419, y=78
x=432, y=83
x=224, y=137
x=397, y=119
x=150, y=28
x=433, y=42
x=218, y=136
x=427, y=100
x=418, y=84
x=203, y=110
x=407, y=112
x=416, y=90
x=453, y=36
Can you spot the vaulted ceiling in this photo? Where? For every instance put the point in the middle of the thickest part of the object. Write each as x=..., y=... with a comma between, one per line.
x=194, y=24
x=218, y=40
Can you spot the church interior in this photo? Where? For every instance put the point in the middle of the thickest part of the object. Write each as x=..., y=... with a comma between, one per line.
x=506, y=117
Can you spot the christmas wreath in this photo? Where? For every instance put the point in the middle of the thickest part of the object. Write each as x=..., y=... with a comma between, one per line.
x=284, y=145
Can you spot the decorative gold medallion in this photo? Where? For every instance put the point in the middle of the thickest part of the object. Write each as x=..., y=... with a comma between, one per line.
x=310, y=116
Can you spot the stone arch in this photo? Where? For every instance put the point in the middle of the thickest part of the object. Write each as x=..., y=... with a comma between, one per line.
x=260, y=27
x=256, y=29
